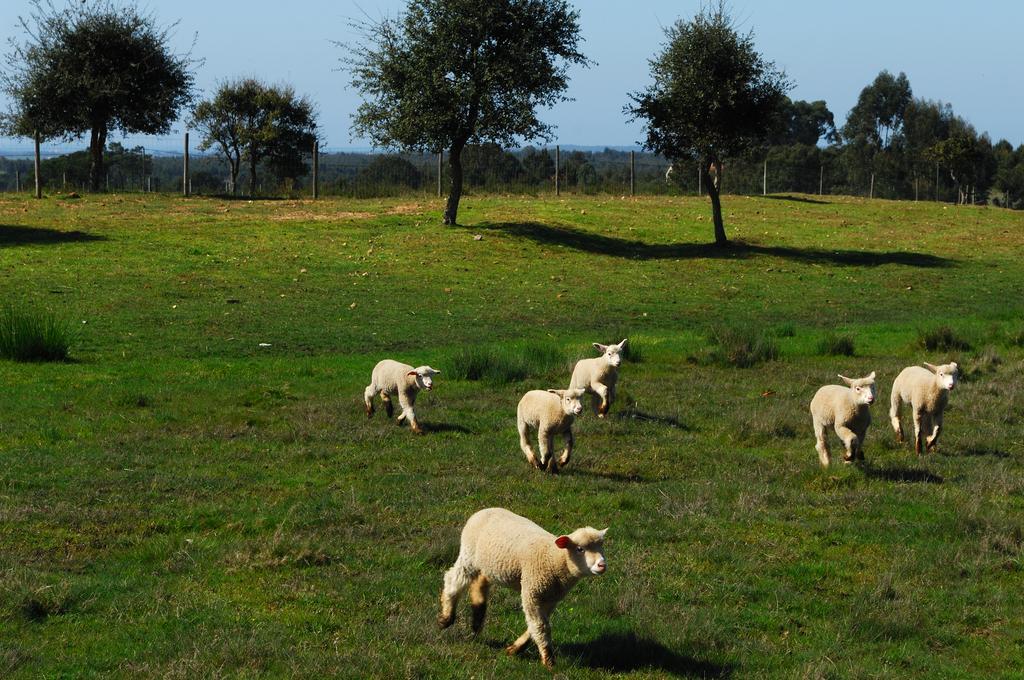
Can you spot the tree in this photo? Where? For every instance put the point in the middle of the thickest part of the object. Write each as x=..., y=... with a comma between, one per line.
x=877, y=118
x=713, y=97
x=448, y=72
x=248, y=120
x=803, y=122
x=93, y=67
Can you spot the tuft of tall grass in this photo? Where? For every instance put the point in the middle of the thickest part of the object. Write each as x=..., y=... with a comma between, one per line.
x=503, y=363
x=739, y=347
x=33, y=335
x=943, y=339
x=834, y=345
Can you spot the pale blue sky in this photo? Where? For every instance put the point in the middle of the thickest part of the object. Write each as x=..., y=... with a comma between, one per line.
x=965, y=54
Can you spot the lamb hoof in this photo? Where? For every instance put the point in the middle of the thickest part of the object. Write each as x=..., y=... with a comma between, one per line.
x=445, y=621
x=511, y=650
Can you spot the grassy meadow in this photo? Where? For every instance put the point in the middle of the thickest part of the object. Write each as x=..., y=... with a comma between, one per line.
x=198, y=493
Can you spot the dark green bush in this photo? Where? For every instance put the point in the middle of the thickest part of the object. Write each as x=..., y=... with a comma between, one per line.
x=32, y=335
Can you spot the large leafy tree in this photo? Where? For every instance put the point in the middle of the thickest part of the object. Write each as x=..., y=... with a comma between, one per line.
x=802, y=122
x=449, y=72
x=249, y=121
x=713, y=97
x=95, y=68
x=878, y=116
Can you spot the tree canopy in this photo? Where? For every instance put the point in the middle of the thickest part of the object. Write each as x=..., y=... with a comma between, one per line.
x=713, y=96
x=449, y=72
x=247, y=120
x=94, y=67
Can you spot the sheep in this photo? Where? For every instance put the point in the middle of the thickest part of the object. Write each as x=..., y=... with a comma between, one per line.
x=390, y=378
x=499, y=546
x=599, y=375
x=927, y=392
x=550, y=412
x=845, y=408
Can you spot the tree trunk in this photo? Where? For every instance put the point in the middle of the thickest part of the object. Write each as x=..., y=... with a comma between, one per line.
x=235, y=166
x=451, y=210
x=97, y=143
x=714, y=184
x=252, y=175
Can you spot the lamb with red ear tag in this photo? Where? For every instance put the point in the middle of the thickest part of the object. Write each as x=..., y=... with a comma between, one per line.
x=391, y=378
x=499, y=546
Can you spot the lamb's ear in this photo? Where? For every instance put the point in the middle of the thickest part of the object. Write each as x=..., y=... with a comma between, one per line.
x=434, y=371
x=558, y=392
x=931, y=367
x=622, y=345
x=599, y=347
x=563, y=542
x=872, y=376
x=578, y=393
x=845, y=379
x=412, y=373
x=956, y=366
x=603, y=532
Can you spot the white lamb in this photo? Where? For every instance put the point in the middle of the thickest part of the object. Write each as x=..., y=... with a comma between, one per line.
x=927, y=392
x=499, y=546
x=550, y=412
x=845, y=408
x=394, y=378
x=599, y=375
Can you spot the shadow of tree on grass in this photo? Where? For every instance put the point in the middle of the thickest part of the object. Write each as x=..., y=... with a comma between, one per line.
x=590, y=242
x=11, y=235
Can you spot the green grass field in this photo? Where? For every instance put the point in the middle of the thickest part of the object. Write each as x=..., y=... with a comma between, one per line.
x=198, y=492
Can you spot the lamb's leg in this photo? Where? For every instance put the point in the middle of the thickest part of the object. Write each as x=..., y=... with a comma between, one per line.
x=894, y=415
x=919, y=417
x=368, y=394
x=850, y=440
x=569, y=442
x=456, y=580
x=518, y=645
x=861, y=436
x=602, y=392
x=478, y=591
x=547, y=454
x=524, y=443
x=389, y=408
x=933, y=440
x=406, y=401
x=539, y=627
x=821, y=443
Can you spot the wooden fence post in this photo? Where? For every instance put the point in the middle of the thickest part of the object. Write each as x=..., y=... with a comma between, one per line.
x=440, y=173
x=821, y=180
x=186, y=184
x=316, y=169
x=632, y=173
x=39, y=180
x=558, y=170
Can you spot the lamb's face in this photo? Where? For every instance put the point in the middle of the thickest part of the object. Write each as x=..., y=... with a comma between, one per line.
x=612, y=353
x=948, y=375
x=863, y=388
x=585, y=548
x=571, y=404
x=425, y=377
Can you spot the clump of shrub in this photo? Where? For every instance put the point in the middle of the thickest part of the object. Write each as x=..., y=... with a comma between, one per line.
x=502, y=363
x=738, y=347
x=835, y=345
x=33, y=335
x=785, y=330
x=943, y=339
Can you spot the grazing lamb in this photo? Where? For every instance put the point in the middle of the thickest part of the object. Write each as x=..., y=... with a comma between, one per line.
x=550, y=412
x=927, y=392
x=599, y=375
x=390, y=378
x=499, y=546
x=845, y=408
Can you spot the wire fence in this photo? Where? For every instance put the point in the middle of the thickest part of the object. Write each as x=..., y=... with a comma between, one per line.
x=488, y=169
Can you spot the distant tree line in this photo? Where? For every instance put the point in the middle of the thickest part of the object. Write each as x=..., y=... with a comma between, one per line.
x=449, y=76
